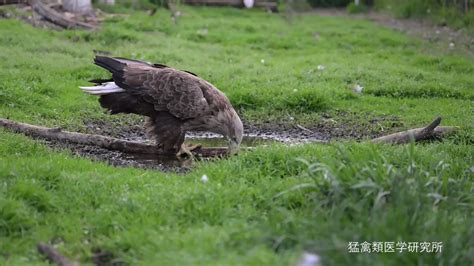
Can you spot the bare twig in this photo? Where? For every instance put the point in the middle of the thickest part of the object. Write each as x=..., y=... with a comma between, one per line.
x=303, y=128
x=54, y=256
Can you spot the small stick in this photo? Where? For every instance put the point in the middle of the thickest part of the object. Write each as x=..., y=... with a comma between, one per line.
x=54, y=256
x=303, y=128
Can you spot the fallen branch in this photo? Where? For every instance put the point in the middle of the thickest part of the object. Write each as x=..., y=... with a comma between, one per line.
x=54, y=256
x=432, y=131
x=96, y=140
x=56, y=18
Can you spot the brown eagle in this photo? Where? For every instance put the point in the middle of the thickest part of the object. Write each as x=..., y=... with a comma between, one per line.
x=173, y=101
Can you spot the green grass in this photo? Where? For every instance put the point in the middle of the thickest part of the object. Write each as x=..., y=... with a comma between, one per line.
x=263, y=207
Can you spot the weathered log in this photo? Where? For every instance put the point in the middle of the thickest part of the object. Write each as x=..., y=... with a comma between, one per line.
x=97, y=140
x=51, y=15
x=54, y=256
x=432, y=131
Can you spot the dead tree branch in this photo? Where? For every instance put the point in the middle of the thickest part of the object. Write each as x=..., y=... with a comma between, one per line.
x=96, y=140
x=56, y=18
x=54, y=256
x=432, y=131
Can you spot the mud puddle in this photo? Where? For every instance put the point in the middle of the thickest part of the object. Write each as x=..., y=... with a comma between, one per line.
x=157, y=162
x=129, y=127
x=171, y=162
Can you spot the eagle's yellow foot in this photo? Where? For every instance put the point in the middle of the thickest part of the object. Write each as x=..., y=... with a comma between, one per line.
x=186, y=148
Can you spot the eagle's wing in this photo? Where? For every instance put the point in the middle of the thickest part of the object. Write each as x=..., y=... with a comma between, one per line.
x=179, y=93
x=182, y=94
x=172, y=90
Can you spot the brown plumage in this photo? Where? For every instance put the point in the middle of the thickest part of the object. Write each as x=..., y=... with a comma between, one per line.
x=174, y=101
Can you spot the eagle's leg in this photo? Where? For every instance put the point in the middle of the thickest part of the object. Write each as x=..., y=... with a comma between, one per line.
x=186, y=148
x=167, y=131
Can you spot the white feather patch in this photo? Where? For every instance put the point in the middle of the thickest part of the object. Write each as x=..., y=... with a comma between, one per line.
x=106, y=88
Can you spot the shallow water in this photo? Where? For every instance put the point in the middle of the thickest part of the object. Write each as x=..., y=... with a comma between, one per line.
x=206, y=140
x=213, y=141
x=155, y=161
x=171, y=163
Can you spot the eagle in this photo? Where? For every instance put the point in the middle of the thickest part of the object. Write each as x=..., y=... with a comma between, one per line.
x=173, y=102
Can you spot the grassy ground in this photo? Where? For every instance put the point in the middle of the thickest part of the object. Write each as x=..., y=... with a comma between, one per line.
x=260, y=208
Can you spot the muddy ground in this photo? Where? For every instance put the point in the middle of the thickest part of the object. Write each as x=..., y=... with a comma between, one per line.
x=130, y=127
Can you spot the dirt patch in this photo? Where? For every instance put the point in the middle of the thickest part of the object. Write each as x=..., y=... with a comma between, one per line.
x=331, y=126
x=337, y=126
x=342, y=125
x=127, y=127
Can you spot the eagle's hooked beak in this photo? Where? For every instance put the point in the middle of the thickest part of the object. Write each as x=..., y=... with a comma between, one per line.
x=233, y=147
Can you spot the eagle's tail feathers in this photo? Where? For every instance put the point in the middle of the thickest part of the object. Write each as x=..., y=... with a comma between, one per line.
x=111, y=64
x=103, y=89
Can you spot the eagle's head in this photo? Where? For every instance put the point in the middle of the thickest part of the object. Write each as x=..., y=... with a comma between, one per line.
x=236, y=132
x=232, y=128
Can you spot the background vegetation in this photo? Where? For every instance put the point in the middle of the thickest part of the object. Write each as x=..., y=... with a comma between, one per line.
x=451, y=12
x=455, y=13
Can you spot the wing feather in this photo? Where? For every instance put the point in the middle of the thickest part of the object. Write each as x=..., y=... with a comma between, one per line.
x=183, y=94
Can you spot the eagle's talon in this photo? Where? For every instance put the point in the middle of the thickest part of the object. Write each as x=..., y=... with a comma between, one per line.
x=186, y=150
x=192, y=147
